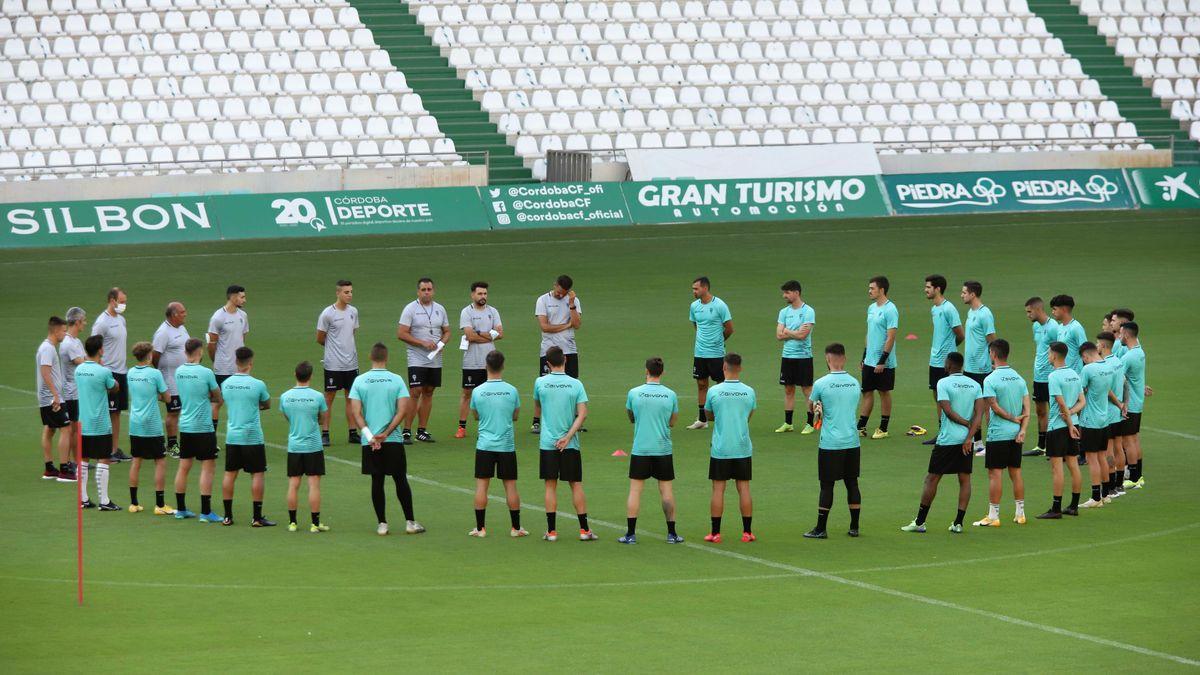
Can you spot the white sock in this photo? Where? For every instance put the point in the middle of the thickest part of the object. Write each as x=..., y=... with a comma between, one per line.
x=1020, y=504
x=82, y=475
x=102, y=482
x=994, y=511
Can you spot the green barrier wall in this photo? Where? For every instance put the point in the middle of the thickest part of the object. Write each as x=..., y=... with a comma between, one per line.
x=555, y=205
x=120, y=221
x=1006, y=191
x=690, y=201
x=1176, y=188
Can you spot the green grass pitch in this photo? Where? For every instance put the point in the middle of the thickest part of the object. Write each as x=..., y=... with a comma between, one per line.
x=1113, y=589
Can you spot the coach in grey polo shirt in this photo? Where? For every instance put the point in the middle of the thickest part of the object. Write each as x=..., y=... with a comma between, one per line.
x=559, y=315
x=425, y=328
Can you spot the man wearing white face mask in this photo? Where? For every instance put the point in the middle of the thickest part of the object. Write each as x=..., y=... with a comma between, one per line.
x=110, y=325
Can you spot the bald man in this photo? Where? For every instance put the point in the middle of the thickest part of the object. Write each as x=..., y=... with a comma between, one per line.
x=168, y=355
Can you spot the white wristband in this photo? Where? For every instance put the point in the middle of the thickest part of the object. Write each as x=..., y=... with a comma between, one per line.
x=366, y=434
x=493, y=333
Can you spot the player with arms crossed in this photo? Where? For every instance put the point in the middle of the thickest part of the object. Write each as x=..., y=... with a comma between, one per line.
x=1062, y=434
x=730, y=405
x=652, y=409
x=302, y=406
x=481, y=327
x=1005, y=393
x=947, y=335
x=879, y=357
x=425, y=328
x=563, y=401
x=835, y=398
x=336, y=327
x=146, y=441
x=794, y=328
x=713, y=324
x=497, y=405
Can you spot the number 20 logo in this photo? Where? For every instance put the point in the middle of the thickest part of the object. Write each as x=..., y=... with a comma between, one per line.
x=298, y=211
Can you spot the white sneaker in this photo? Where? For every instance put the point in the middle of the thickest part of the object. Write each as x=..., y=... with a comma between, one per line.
x=549, y=536
x=698, y=425
x=1091, y=504
x=477, y=532
x=518, y=532
x=587, y=535
x=413, y=527
x=382, y=529
x=980, y=449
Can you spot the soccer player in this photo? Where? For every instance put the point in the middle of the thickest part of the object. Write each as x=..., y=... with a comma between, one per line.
x=336, y=326
x=146, y=388
x=947, y=335
x=303, y=408
x=496, y=405
x=198, y=393
x=879, y=358
x=653, y=410
x=559, y=314
x=1117, y=318
x=71, y=354
x=226, y=333
x=1062, y=433
x=835, y=398
x=168, y=342
x=1070, y=331
x=481, y=327
x=980, y=331
x=1113, y=486
x=111, y=326
x=425, y=327
x=245, y=449
x=1045, y=331
x=794, y=328
x=1005, y=393
x=961, y=401
x=713, y=324
x=378, y=400
x=563, y=401
x=1135, y=397
x=730, y=404
x=1093, y=421
x=95, y=383
x=52, y=402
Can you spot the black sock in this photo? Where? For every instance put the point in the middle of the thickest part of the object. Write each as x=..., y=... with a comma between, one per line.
x=377, y=498
x=216, y=423
x=406, y=432
x=404, y=494
x=462, y=424
x=420, y=430
x=50, y=466
x=883, y=422
x=1139, y=469
x=854, y=518
x=787, y=416
x=172, y=440
x=514, y=515
x=479, y=518
x=1074, y=500
x=1056, y=505
x=316, y=518
x=670, y=526
x=716, y=525
x=159, y=498
x=958, y=519
x=702, y=417
x=61, y=467
x=1113, y=478
x=922, y=514
x=811, y=417
x=205, y=503
x=229, y=508
x=862, y=422
x=1042, y=440
x=1096, y=493
x=537, y=420
x=291, y=515
x=979, y=434
x=1105, y=489
x=746, y=523
x=583, y=522
x=180, y=505
x=133, y=495
x=258, y=510
x=630, y=526
x=551, y=520
x=822, y=519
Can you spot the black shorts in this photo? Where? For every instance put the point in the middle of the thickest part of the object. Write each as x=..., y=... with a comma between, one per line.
x=708, y=369
x=658, y=467
x=73, y=409
x=56, y=420
x=838, y=464
x=174, y=405
x=147, y=447
x=492, y=464
x=388, y=460
x=946, y=459
x=572, y=365
x=1060, y=444
x=201, y=446
x=935, y=374
x=872, y=381
x=1041, y=392
x=339, y=379
x=119, y=400
x=978, y=377
x=97, y=447
x=1132, y=424
x=221, y=379
x=473, y=378
x=561, y=465
x=1002, y=455
x=729, y=469
x=1115, y=429
x=796, y=372
x=1093, y=440
x=306, y=464
x=248, y=458
x=424, y=377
